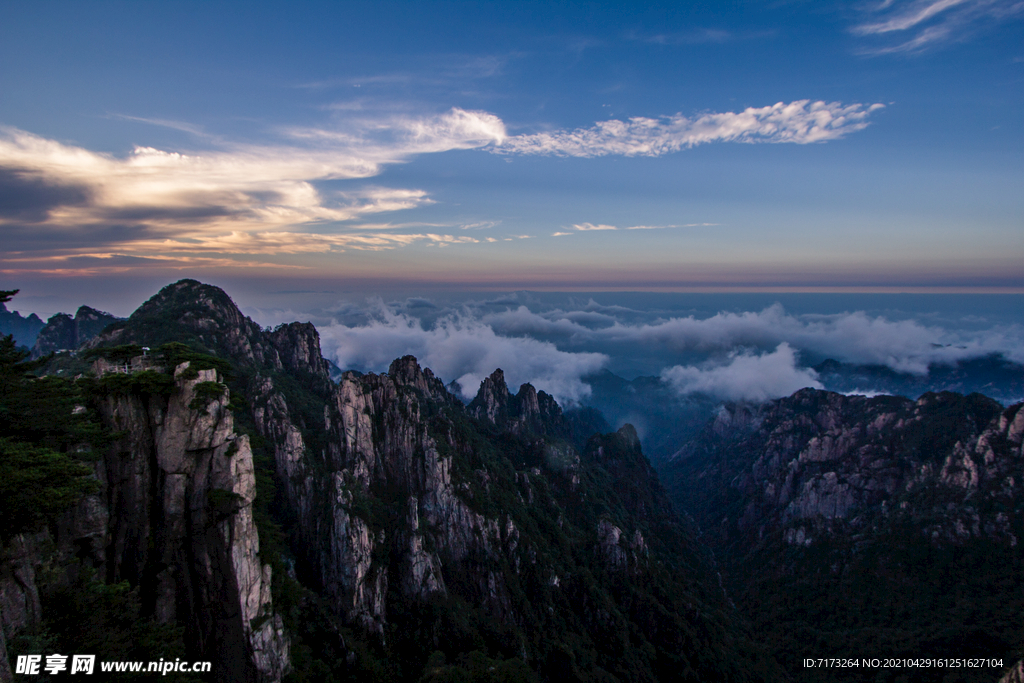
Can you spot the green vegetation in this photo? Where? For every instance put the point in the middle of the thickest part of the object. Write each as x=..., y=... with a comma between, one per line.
x=87, y=615
x=46, y=432
x=37, y=484
x=206, y=393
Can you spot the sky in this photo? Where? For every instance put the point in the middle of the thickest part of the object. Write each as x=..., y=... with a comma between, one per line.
x=344, y=147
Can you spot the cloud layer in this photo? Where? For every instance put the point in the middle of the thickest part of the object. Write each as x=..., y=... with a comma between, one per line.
x=745, y=377
x=903, y=345
x=754, y=355
x=238, y=199
x=463, y=350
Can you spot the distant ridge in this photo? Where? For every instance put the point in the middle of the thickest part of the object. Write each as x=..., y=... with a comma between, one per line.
x=23, y=329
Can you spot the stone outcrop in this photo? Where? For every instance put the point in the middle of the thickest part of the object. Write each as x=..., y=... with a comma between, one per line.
x=189, y=311
x=183, y=484
x=1014, y=675
x=380, y=439
x=298, y=348
x=527, y=412
x=19, y=595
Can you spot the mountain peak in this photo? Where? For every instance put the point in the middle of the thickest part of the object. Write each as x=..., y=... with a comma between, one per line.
x=627, y=433
x=492, y=402
x=200, y=315
x=406, y=371
x=194, y=296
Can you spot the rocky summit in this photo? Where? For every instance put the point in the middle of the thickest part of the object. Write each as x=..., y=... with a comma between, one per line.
x=237, y=505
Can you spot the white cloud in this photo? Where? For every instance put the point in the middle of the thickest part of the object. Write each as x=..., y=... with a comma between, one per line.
x=801, y=122
x=662, y=227
x=591, y=226
x=247, y=188
x=921, y=24
x=909, y=17
x=256, y=199
x=746, y=377
x=866, y=393
x=457, y=129
x=465, y=350
x=736, y=356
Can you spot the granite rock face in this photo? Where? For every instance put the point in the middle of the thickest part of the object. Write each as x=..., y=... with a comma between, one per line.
x=384, y=433
x=180, y=485
x=173, y=516
x=19, y=595
x=527, y=412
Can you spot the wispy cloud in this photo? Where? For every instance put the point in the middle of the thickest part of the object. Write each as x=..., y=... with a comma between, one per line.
x=700, y=36
x=798, y=122
x=587, y=227
x=87, y=264
x=663, y=227
x=590, y=226
x=182, y=126
x=440, y=69
x=917, y=25
x=292, y=242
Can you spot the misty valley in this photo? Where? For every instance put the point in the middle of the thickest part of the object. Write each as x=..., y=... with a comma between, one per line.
x=799, y=505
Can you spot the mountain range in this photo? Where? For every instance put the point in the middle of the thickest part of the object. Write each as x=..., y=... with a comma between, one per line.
x=220, y=492
x=376, y=528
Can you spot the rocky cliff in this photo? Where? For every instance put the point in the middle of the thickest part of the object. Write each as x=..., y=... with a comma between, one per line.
x=849, y=525
x=179, y=487
x=172, y=516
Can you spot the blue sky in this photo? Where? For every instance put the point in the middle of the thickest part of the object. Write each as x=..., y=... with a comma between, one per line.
x=762, y=146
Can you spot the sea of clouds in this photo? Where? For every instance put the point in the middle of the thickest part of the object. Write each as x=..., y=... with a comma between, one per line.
x=556, y=343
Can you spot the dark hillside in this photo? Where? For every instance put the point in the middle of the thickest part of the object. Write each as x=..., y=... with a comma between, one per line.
x=867, y=527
